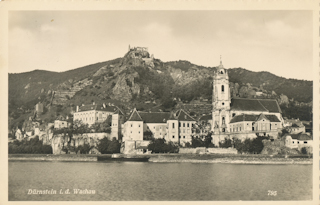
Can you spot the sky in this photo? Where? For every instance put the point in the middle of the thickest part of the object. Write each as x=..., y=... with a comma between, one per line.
x=279, y=42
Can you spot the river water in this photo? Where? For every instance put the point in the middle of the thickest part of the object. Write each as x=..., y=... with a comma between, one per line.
x=114, y=181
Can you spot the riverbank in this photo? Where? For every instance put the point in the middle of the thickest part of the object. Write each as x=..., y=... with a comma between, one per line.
x=52, y=157
x=175, y=158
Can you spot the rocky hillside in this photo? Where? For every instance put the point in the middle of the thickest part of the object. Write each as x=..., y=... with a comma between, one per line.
x=140, y=80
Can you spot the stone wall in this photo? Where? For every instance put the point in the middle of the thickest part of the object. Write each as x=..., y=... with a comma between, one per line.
x=200, y=150
x=222, y=151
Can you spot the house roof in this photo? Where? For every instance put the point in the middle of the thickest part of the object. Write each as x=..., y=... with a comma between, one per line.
x=135, y=116
x=159, y=117
x=260, y=105
x=301, y=136
x=155, y=117
x=183, y=116
x=253, y=118
x=297, y=125
x=98, y=107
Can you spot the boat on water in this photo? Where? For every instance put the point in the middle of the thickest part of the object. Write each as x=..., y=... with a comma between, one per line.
x=124, y=158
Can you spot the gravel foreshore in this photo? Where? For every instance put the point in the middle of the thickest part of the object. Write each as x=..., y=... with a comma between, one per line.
x=231, y=160
x=173, y=158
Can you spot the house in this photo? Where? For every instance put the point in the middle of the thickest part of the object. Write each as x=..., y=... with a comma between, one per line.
x=296, y=128
x=175, y=127
x=59, y=124
x=98, y=113
x=298, y=140
x=93, y=113
x=262, y=124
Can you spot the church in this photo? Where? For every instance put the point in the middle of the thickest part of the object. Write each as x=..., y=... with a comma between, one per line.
x=241, y=117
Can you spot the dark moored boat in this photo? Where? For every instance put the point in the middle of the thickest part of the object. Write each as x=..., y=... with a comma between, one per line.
x=122, y=158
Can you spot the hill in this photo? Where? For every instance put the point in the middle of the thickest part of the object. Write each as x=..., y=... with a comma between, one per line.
x=140, y=80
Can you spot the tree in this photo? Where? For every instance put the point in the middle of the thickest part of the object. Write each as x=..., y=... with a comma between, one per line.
x=107, y=146
x=147, y=135
x=208, y=141
x=160, y=146
x=226, y=143
x=257, y=145
x=197, y=142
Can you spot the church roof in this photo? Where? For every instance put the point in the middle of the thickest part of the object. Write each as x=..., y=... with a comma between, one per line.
x=206, y=117
x=260, y=105
x=253, y=118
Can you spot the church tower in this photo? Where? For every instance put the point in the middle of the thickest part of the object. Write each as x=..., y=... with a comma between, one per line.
x=221, y=100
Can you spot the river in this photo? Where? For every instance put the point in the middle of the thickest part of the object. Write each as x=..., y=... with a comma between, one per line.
x=114, y=181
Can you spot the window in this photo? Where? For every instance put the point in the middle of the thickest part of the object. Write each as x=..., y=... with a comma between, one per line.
x=139, y=125
x=223, y=130
x=187, y=124
x=179, y=137
x=223, y=120
x=131, y=125
x=305, y=142
x=179, y=124
x=172, y=136
x=298, y=142
x=139, y=132
x=184, y=137
x=172, y=125
x=292, y=142
x=222, y=88
x=184, y=125
x=160, y=133
x=223, y=103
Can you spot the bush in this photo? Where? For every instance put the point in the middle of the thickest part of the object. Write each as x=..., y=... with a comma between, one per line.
x=160, y=146
x=83, y=149
x=147, y=135
x=107, y=146
x=304, y=150
x=33, y=146
x=206, y=142
x=226, y=143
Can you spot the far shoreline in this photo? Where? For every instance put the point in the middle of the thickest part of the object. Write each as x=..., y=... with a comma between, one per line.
x=175, y=158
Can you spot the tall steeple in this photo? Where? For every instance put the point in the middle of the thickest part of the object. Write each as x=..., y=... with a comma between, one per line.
x=220, y=100
x=220, y=66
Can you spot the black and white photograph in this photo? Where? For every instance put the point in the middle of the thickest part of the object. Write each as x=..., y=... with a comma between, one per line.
x=134, y=104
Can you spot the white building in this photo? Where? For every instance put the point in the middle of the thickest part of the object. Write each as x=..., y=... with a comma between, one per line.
x=241, y=115
x=93, y=113
x=174, y=127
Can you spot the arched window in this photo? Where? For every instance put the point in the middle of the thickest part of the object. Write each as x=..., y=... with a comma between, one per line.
x=223, y=121
x=222, y=88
